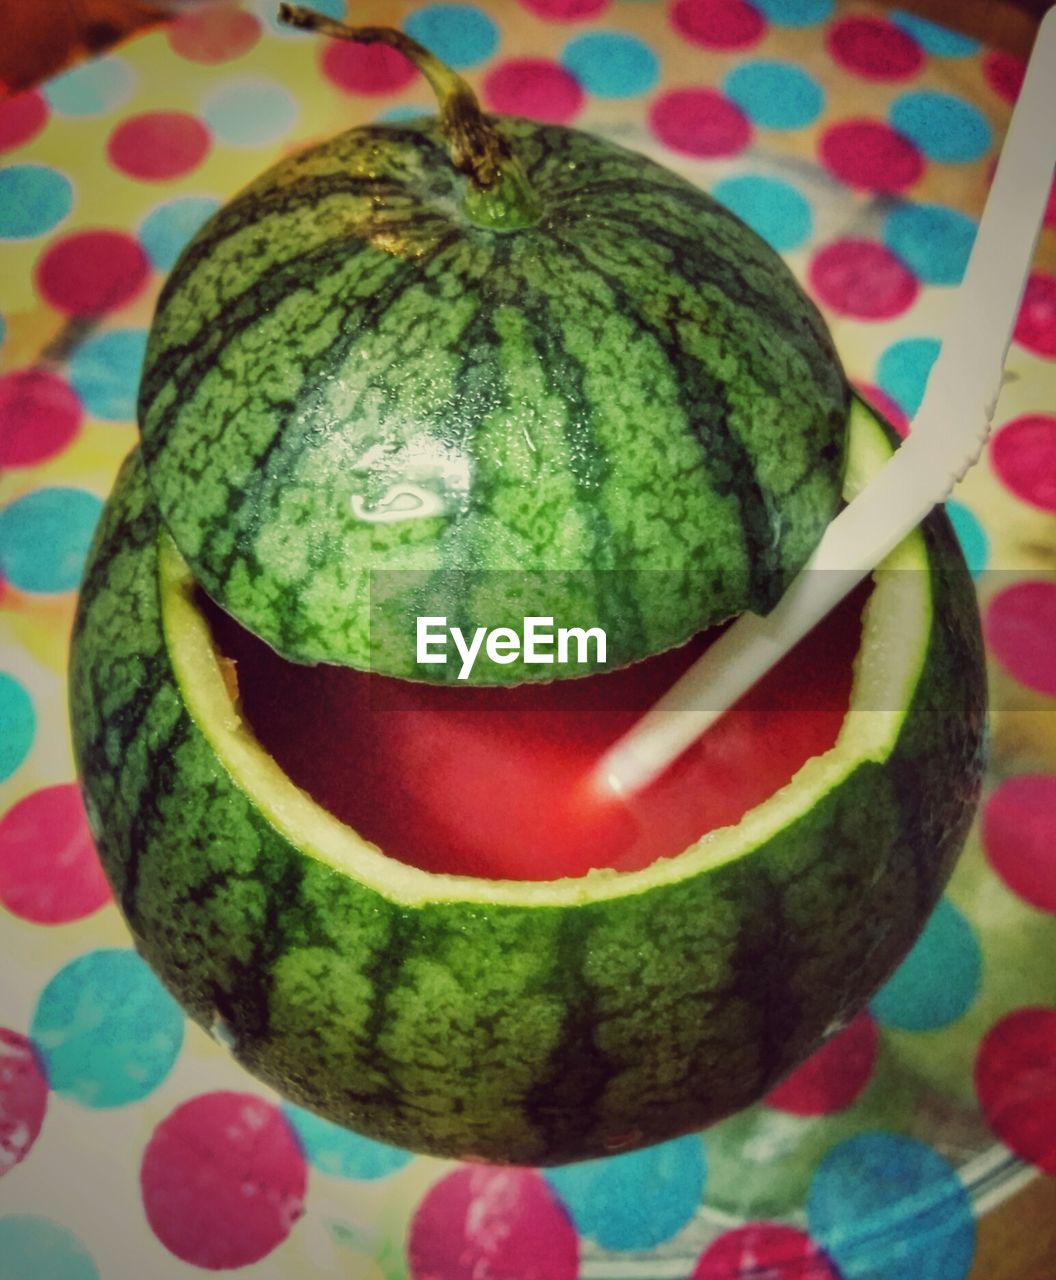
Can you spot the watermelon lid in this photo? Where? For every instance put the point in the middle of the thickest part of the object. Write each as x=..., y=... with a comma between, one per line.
x=484, y=370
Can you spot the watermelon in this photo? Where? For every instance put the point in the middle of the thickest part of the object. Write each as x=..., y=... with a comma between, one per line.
x=359, y=406
x=517, y=1021
x=484, y=371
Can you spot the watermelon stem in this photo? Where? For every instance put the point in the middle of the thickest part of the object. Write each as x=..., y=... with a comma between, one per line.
x=498, y=195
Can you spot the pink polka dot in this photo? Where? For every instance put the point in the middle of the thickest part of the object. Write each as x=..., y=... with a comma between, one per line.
x=91, y=272
x=368, y=69
x=1050, y=208
x=718, y=24
x=49, y=869
x=1023, y=453
x=39, y=416
x=505, y=1224
x=1019, y=836
x=1015, y=1079
x=23, y=1098
x=885, y=406
x=1004, y=73
x=214, y=34
x=874, y=49
x=863, y=279
x=764, y=1251
x=158, y=145
x=834, y=1077
x=1019, y=626
x=223, y=1180
x=1036, y=326
x=533, y=87
x=871, y=155
x=21, y=117
x=700, y=122
x=566, y=10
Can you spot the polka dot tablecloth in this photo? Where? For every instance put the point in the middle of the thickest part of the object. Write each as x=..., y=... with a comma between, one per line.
x=860, y=143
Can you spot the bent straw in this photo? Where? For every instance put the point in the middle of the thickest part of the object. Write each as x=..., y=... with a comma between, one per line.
x=948, y=435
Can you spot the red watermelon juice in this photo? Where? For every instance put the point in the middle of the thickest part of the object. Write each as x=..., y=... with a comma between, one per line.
x=496, y=781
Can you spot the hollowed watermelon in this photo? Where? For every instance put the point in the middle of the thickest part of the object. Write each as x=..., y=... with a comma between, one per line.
x=518, y=1020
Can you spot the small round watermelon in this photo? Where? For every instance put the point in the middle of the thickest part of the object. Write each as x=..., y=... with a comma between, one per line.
x=387, y=380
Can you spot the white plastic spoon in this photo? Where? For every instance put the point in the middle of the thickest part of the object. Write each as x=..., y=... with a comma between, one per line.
x=948, y=435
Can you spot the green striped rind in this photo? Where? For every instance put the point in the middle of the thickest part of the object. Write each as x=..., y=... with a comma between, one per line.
x=516, y=1033
x=630, y=412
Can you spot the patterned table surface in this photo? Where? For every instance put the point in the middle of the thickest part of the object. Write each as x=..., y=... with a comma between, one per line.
x=860, y=143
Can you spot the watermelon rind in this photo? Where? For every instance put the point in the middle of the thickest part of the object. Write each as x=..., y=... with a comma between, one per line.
x=528, y=1023
x=359, y=407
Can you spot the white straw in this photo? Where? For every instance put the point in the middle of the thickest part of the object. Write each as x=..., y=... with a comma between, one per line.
x=948, y=435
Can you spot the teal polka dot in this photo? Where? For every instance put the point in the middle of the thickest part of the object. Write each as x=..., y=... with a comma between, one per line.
x=940, y=42
x=340, y=1153
x=107, y=1029
x=932, y=240
x=105, y=373
x=459, y=34
x=902, y=371
x=166, y=230
x=611, y=64
x=268, y=10
x=971, y=535
x=775, y=95
x=32, y=1246
x=943, y=126
x=773, y=208
x=402, y=113
x=18, y=724
x=34, y=199
x=91, y=89
x=795, y=13
x=887, y=1207
x=939, y=979
x=637, y=1200
x=44, y=538
x=249, y=113
x=3, y=330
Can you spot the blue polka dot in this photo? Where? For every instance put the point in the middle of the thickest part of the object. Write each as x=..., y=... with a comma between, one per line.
x=459, y=34
x=887, y=1207
x=940, y=42
x=35, y=1246
x=342, y=1154
x=775, y=95
x=250, y=113
x=902, y=371
x=637, y=1200
x=108, y=1030
x=971, y=535
x=794, y=13
x=18, y=724
x=397, y=115
x=611, y=64
x=774, y=209
x=943, y=126
x=91, y=89
x=44, y=538
x=105, y=373
x=166, y=230
x=938, y=980
x=33, y=200
x=269, y=11
x=932, y=240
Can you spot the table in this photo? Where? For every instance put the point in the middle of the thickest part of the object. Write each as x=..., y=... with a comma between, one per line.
x=878, y=231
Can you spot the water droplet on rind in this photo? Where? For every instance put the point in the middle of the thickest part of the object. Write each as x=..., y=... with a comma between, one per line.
x=222, y=1031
